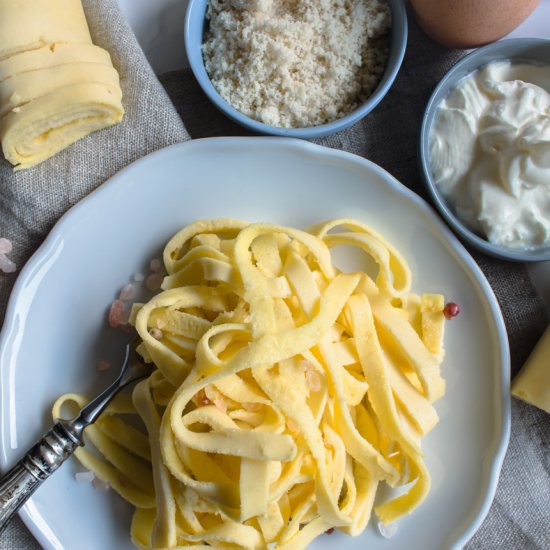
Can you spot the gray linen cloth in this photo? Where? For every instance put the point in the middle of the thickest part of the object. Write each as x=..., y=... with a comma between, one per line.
x=32, y=201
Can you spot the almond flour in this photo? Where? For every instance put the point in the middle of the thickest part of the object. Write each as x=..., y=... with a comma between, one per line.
x=296, y=63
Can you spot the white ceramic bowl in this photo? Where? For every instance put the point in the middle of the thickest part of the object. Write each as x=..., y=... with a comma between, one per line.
x=195, y=22
x=530, y=50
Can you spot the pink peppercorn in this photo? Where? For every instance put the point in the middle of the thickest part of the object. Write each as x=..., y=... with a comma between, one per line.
x=451, y=310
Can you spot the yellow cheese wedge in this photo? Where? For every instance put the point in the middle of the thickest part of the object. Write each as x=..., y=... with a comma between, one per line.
x=30, y=24
x=532, y=384
x=20, y=89
x=52, y=55
x=45, y=126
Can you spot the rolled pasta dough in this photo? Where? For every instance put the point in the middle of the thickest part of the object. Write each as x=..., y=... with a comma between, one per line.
x=56, y=86
x=29, y=24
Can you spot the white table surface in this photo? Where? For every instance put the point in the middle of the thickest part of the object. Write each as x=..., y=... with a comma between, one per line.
x=158, y=25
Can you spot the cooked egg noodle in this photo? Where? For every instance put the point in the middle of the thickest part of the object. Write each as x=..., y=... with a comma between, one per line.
x=124, y=466
x=285, y=390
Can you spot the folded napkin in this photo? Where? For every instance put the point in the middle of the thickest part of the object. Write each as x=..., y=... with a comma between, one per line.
x=31, y=202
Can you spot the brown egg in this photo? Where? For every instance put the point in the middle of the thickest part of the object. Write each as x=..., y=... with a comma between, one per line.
x=470, y=23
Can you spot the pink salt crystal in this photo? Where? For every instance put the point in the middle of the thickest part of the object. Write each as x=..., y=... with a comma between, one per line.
x=313, y=380
x=252, y=407
x=103, y=365
x=100, y=485
x=115, y=313
x=306, y=365
x=161, y=323
x=6, y=265
x=155, y=264
x=5, y=246
x=124, y=317
x=84, y=477
x=220, y=405
x=127, y=293
x=201, y=398
x=154, y=281
x=387, y=531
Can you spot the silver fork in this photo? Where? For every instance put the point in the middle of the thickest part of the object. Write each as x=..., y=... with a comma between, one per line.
x=45, y=457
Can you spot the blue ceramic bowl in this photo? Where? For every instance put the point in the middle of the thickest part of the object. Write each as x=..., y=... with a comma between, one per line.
x=527, y=50
x=193, y=33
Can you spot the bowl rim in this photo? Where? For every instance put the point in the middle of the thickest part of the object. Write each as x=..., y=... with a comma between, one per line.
x=398, y=41
x=460, y=227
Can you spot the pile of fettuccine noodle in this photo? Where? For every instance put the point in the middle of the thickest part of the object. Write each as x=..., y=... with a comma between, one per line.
x=284, y=391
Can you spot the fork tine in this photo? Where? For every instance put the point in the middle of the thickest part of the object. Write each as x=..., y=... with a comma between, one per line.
x=96, y=406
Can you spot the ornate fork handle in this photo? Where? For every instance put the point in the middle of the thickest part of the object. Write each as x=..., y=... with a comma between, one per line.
x=17, y=485
x=38, y=464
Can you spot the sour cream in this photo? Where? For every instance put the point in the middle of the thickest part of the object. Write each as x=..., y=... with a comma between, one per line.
x=490, y=153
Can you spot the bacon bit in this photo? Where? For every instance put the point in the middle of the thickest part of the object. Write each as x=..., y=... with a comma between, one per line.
x=156, y=333
x=115, y=313
x=451, y=310
x=127, y=292
x=103, y=365
x=6, y=246
x=154, y=281
x=329, y=531
x=313, y=380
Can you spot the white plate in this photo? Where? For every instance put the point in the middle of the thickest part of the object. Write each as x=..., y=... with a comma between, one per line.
x=55, y=330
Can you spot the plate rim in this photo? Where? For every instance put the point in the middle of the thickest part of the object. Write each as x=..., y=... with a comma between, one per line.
x=246, y=143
